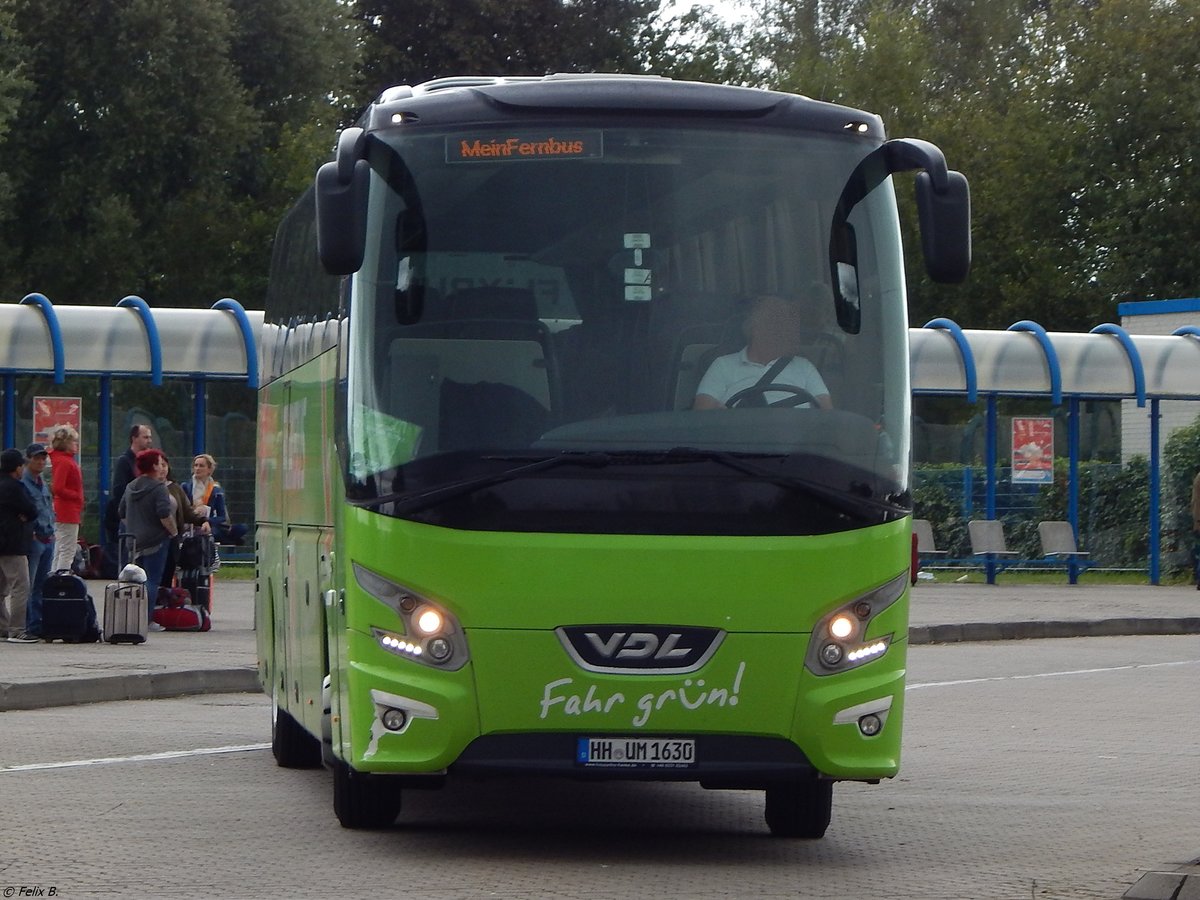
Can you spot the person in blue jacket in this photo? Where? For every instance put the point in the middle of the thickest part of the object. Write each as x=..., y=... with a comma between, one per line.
x=41, y=546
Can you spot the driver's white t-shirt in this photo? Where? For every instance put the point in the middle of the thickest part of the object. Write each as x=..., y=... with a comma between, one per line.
x=734, y=372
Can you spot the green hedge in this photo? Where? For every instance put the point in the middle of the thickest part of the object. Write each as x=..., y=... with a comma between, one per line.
x=1114, y=507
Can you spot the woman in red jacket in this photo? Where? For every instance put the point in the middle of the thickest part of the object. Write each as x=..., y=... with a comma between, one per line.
x=66, y=484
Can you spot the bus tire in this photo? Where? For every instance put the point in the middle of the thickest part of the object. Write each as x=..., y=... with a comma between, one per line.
x=362, y=800
x=800, y=809
x=327, y=757
x=294, y=748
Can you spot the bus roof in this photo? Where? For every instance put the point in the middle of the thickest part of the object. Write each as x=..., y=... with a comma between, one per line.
x=480, y=99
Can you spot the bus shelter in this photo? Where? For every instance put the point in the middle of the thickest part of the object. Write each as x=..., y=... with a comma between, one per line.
x=1066, y=367
x=128, y=340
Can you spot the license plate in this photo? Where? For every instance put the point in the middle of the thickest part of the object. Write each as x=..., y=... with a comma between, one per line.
x=636, y=753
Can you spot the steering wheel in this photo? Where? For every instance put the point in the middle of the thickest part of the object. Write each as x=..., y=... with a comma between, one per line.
x=798, y=396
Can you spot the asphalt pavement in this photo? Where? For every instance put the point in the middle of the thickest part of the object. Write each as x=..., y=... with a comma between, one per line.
x=223, y=660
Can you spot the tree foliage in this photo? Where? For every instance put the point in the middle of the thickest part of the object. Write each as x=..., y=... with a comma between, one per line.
x=142, y=155
x=1070, y=118
x=150, y=146
x=412, y=41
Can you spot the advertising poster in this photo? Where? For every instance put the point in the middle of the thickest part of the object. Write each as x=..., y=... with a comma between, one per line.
x=50, y=413
x=1033, y=450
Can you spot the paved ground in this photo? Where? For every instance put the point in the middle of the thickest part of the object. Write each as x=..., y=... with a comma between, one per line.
x=224, y=660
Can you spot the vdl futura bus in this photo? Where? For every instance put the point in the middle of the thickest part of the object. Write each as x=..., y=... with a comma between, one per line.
x=495, y=533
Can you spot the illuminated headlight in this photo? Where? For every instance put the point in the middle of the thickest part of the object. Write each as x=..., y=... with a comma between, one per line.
x=397, y=643
x=838, y=638
x=428, y=633
x=428, y=621
x=867, y=651
x=841, y=627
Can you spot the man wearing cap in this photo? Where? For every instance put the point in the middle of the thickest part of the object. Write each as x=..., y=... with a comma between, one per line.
x=17, y=513
x=41, y=546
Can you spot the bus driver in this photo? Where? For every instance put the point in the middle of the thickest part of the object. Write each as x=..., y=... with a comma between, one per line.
x=774, y=333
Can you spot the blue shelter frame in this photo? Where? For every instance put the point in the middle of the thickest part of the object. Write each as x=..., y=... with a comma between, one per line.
x=220, y=343
x=1123, y=374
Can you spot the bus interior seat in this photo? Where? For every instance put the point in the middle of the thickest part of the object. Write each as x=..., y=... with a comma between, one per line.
x=420, y=369
x=677, y=321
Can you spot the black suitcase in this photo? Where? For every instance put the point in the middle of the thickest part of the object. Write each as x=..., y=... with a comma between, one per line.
x=197, y=555
x=68, y=613
x=198, y=583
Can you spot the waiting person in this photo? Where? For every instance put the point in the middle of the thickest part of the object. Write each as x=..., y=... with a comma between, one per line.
x=141, y=437
x=774, y=333
x=186, y=517
x=41, y=544
x=67, y=487
x=17, y=513
x=147, y=514
x=204, y=490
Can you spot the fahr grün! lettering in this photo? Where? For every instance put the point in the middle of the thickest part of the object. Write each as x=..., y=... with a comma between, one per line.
x=563, y=697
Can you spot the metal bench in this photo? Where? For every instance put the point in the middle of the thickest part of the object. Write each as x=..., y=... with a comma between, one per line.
x=989, y=546
x=926, y=546
x=1059, y=545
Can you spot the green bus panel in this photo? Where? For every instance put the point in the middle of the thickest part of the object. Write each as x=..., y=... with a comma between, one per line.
x=542, y=581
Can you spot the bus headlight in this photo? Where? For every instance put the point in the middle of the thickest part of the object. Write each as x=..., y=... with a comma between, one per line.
x=837, y=642
x=428, y=621
x=430, y=634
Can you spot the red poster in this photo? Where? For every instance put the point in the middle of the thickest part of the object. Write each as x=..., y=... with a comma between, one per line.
x=1033, y=450
x=50, y=413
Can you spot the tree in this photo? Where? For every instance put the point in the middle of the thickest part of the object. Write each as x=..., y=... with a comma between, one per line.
x=14, y=84
x=1071, y=120
x=412, y=41
x=144, y=155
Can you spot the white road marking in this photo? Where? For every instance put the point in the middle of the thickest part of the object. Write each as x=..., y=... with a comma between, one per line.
x=140, y=757
x=931, y=684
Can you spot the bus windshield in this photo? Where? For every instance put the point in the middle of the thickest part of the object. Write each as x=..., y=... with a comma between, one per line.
x=627, y=327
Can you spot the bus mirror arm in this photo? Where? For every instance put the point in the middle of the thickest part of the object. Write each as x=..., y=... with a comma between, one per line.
x=341, y=195
x=943, y=207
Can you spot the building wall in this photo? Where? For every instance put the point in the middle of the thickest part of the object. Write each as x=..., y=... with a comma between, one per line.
x=1155, y=317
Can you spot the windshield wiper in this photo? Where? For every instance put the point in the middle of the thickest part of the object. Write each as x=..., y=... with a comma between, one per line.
x=407, y=502
x=860, y=506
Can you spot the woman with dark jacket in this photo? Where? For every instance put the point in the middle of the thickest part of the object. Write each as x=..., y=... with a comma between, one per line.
x=147, y=510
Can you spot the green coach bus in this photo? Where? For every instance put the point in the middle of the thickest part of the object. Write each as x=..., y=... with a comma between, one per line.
x=500, y=533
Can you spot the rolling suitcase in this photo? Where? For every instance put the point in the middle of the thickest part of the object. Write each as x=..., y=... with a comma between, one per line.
x=197, y=553
x=68, y=612
x=126, y=604
x=126, y=610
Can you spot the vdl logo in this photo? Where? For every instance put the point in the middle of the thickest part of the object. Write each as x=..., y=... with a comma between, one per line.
x=640, y=649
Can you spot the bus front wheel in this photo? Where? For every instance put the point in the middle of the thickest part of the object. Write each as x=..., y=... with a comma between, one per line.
x=800, y=809
x=294, y=748
x=362, y=800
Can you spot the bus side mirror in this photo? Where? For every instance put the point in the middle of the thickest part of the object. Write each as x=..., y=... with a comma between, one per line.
x=341, y=195
x=945, y=218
